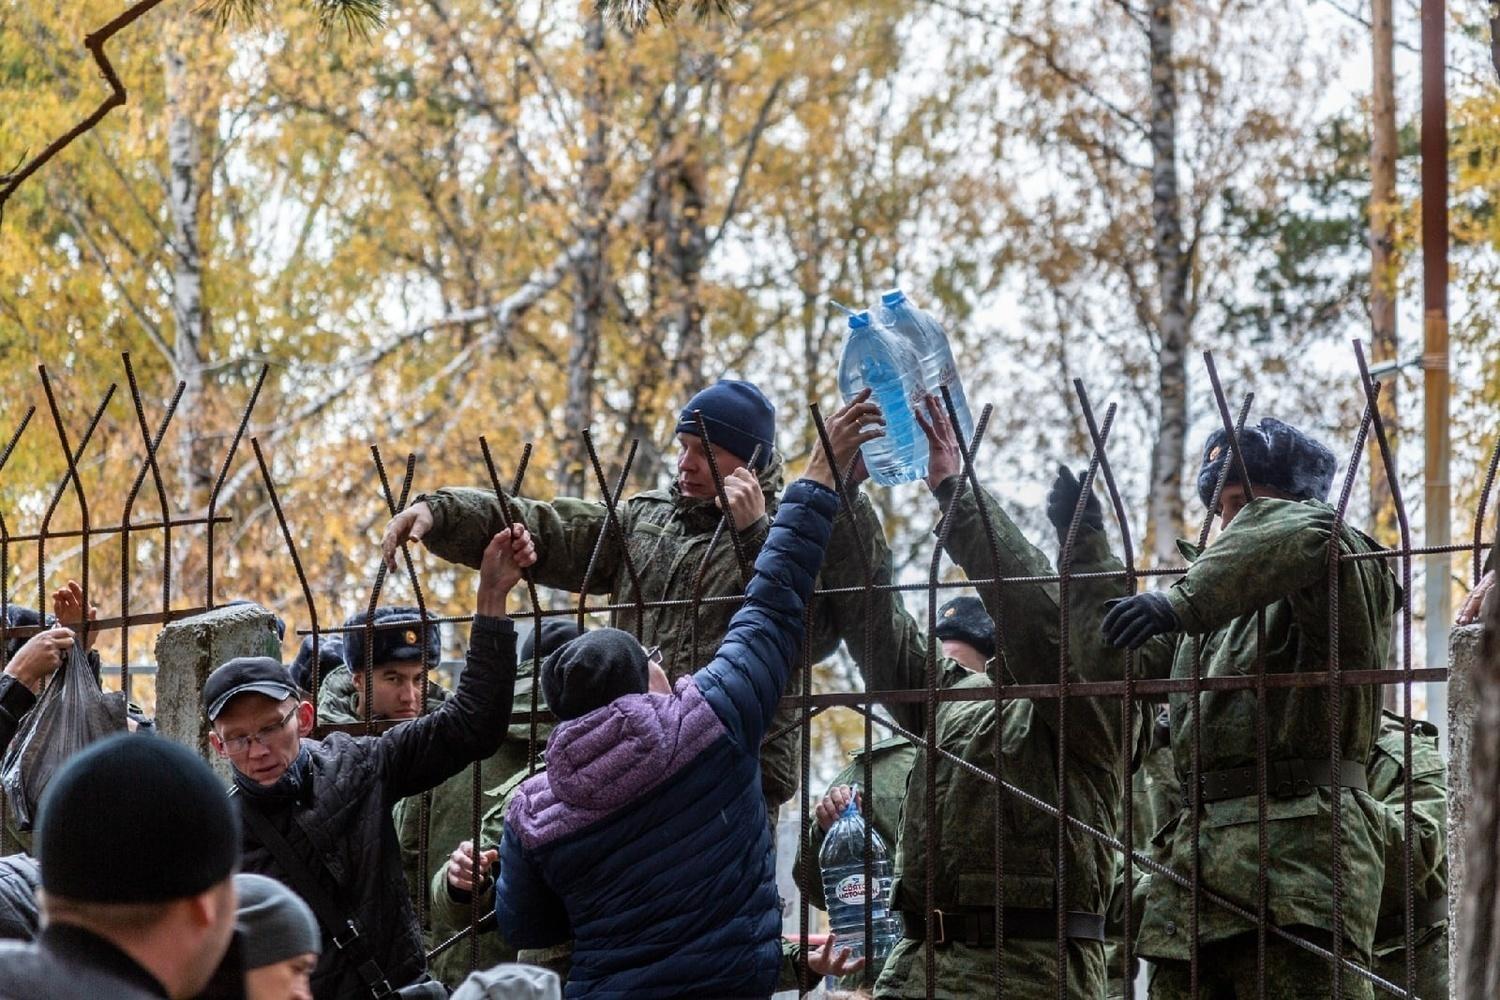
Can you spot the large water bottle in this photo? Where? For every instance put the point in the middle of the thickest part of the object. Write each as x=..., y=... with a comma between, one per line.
x=875, y=358
x=928, y=339
x=842, y=861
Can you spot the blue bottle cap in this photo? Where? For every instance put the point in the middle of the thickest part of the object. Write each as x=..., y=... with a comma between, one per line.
x=859, y=320
x=894, y=297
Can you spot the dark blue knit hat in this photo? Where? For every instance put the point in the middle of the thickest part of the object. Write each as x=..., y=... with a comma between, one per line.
x=964, y=619
x=738, y=417
x=17, y=616
x=1277, y=455
x=392, y=643
x=330, y=658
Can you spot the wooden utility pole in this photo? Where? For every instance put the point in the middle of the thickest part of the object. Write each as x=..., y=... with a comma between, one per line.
x=1436, y=488
x=1384, y=267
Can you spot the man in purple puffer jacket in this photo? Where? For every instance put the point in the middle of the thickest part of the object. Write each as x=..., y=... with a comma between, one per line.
x=645, y=840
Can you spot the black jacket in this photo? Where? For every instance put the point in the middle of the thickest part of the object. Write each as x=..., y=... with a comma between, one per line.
x=16, y=700
x=341, y=822
x=68, y=961
x=19, y=877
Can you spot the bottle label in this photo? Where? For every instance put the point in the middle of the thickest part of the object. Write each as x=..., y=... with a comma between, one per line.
x=851, y=889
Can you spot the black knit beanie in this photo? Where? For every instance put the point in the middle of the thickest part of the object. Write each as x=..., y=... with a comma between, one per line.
x=135, y=819
x=554, y=632
x=592, y=671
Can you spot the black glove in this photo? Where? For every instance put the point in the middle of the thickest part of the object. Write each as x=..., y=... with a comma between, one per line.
x=1062, y=500
x=1132, y=620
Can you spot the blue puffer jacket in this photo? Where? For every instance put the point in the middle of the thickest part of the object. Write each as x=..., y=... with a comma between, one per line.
x=645, y=840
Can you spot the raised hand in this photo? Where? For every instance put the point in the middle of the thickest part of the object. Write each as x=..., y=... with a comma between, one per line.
x=411, y=525
x=943, y=456
x=67, y=608
x=851, y=426
x=508, y=553
x=1062, y=500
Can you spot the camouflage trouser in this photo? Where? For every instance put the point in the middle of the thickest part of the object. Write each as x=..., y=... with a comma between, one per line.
x=1226, y=971
x=1431, y=965
x=1029, y=970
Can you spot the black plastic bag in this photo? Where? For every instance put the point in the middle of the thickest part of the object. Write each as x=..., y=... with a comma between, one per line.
x=71, y=713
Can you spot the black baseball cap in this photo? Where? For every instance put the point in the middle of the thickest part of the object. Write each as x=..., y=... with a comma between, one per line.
x=252, y=674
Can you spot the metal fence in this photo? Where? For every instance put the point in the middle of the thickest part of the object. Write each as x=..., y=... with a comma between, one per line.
x=1335, y=678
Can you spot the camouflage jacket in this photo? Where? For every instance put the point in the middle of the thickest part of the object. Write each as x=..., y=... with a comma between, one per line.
x=1429, y=822
x=1026, y=731
x=449, y=915
x=668, y=540
x=1157, y=797
x=1273, y=558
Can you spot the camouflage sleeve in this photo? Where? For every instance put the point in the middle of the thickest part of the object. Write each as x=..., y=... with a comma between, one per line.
x=891, y=651
x=1429, y=817
x=565, y=532
x=1271, y=549
x=1026, y=618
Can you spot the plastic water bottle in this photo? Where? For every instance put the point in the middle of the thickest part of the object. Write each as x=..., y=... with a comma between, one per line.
x=928, y=339
x=842, y=861
x=877, y=358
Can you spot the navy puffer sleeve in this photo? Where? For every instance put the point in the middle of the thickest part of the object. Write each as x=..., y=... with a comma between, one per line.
x=745, y=679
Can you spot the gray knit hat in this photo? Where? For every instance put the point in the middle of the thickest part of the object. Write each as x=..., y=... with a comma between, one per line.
x=274, y=923
x=511, y=982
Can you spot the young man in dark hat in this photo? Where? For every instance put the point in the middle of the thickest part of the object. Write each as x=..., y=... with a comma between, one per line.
x=317, y=814
x=673, y=541
x=139, y=847
x=1270, y=558
x=390, y=665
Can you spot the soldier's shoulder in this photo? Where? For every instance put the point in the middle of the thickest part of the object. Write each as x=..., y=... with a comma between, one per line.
x=883, y=748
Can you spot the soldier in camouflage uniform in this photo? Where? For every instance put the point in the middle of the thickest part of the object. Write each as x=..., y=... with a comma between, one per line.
x=966, y=886
x=1429, y=855
x=1158, y=798
x=672, y=541
x=1272, y=556
x=967, y=635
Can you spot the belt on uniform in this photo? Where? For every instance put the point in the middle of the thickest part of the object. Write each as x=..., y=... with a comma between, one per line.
x=976, y=927
x=1424, y=913
x=1285, y=779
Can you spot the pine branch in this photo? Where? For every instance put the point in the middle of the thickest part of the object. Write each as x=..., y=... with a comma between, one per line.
x=631, y=15
x=357, y=17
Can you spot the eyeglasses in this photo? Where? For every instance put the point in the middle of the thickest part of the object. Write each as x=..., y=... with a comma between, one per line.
x=241, y=744
x=653, y=655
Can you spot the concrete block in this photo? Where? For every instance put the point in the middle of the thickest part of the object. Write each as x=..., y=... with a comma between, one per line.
x=1463, y=709
x=187, y=651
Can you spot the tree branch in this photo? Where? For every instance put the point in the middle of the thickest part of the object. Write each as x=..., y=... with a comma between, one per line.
x=94, y=42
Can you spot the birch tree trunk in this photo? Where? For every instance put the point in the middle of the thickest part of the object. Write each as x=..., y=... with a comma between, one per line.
x=588, y=267
x=188, y=114
x=1165, y=504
